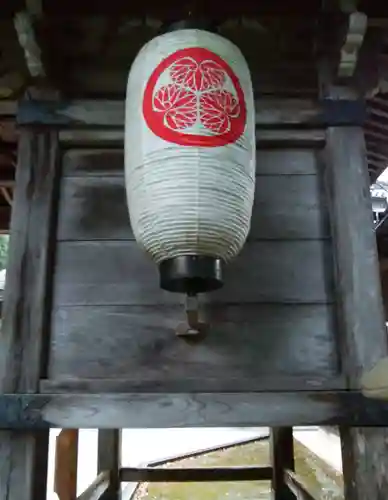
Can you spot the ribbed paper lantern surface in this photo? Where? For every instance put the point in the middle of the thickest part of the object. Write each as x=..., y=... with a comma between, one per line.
x=190, y=153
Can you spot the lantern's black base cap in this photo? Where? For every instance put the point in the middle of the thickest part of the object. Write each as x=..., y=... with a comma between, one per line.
x=191, y=274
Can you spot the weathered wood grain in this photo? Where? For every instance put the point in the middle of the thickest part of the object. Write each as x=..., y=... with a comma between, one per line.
x=108, y=162
x=155, y=410
x=25, y=329
x=111, y=113
x=363, y=329
x=265, y=138
x=270, y=112
x=118, y=272
x=286, y=207
x=243, y=343
x=363, y=336
x=266, y=383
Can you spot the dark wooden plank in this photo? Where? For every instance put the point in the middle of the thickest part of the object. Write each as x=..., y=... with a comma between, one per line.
x=93, y=162
x=269, y=383
x=110, y=113
x=282, y=458
x=286, y=207
x=270, y=112
x=118, y=272
x=243, y=343
x=357, y=273
x=25, y=329
x=362, y=325
x=151, y=410
x=109, y=459
x=296, y=487
x=287, y=161
x=197, y=474
x=265, y=138
x=110, y=162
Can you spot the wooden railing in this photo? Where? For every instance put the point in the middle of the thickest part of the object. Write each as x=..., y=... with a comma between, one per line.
x=98, y=487
x=285, y=483
x=296, y=487
x=66, y=463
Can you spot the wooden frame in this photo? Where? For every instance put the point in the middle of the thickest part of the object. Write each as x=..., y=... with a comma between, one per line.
x=26, y=306
x=137, y=410
x=74, y=404
x=282, y=457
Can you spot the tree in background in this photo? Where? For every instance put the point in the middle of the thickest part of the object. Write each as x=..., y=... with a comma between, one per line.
x=4, y=241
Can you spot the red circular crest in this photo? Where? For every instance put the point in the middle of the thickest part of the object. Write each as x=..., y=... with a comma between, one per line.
x=193, y=98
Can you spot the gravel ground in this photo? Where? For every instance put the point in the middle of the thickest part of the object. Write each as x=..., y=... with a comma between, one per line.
x=322, y=481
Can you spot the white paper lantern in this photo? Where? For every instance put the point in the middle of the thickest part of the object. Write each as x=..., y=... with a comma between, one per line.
x=190, y=148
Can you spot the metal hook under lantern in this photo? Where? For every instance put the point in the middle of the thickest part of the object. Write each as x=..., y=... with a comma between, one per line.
x=190, y=156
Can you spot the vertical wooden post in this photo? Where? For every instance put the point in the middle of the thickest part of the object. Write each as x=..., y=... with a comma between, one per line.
x=109, y=458
x=282, y=457
x=362, y=327
x=25, y=328
x=66, y=461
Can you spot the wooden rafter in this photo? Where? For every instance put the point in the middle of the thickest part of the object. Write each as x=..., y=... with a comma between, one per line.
x=7, y=195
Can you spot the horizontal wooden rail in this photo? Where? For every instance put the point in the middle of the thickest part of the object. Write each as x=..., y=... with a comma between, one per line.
x=111, y=386
x=179, y=475
x=269, y=113
x=270, y=138
x=292, y=481
x=141, y=409
x=97, y=488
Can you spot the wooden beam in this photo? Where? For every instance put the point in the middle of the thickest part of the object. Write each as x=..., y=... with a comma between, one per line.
x=266, y=383
x=66, y=461
x=312, y=138
x=355, y=250
x=6, y=195
x=282, y=458
x=296, y=487
x=23, y=460
x=197, y=474
x=109, y=459
x=360, y=310
x=378, y=157
x=137, y=410
x=98, y=488
x=376, y=165
x=269, y=113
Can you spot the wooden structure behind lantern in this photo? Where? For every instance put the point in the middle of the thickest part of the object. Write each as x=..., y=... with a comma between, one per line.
x=88, y=336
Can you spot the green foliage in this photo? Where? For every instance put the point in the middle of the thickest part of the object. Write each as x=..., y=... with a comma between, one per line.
x=4, y=242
